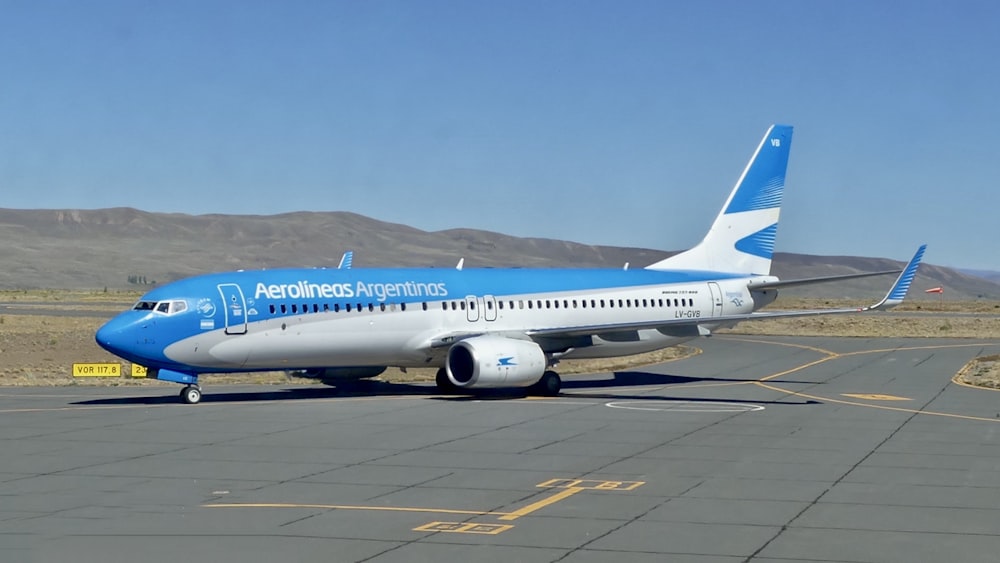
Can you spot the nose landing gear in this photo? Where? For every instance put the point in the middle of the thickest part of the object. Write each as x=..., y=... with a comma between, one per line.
x=191, y=395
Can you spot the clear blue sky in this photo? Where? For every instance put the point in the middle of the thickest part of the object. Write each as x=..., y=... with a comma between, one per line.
x=622, y=123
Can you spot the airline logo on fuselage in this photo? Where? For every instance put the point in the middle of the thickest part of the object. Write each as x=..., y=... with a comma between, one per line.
x=379, y=291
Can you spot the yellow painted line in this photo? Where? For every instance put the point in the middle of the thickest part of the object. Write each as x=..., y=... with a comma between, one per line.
x=464, y=528
x=591, y=484
x=834, y=355
x=356, y=507
x=955, y=379
x=562, y=494
x=874, y=397
x=871, y=406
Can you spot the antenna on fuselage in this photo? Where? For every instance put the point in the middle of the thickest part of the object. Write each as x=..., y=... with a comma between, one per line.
x=461, y=262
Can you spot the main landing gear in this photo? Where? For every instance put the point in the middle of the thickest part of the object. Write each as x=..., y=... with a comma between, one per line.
x=191, y=395
x=548, y=386
x=444, y=384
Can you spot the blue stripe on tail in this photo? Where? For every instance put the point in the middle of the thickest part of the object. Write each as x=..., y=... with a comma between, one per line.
x=764, y=181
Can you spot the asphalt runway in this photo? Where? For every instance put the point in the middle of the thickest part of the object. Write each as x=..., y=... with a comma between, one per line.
x=760, y=449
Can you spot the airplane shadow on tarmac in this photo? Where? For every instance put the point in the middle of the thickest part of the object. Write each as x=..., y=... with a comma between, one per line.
x=365, y=388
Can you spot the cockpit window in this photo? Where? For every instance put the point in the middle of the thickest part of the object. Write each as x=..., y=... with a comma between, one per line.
x=165, y=307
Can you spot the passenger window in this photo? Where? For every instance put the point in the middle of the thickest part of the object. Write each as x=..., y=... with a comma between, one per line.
x=557, y=303
x=284, y=309
x=271, y=307
x=382, y=307
x=371, y=307
x=462, y=305
x=336, y=307
x=529, y=304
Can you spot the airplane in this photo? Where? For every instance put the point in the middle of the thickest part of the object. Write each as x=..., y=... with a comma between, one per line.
x=481, y=327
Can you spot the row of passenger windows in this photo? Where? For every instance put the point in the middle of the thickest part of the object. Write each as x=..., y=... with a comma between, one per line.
x=295, y=308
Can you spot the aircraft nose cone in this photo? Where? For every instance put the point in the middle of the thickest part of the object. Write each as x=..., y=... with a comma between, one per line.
x=117, y=336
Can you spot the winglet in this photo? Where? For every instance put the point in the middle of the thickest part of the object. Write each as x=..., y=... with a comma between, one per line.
x=346, y=260
x=898, y=291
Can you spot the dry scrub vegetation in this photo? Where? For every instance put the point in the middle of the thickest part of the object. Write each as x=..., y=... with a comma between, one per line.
x=40, y=350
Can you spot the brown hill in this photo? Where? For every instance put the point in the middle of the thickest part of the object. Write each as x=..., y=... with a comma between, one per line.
x=116, y=248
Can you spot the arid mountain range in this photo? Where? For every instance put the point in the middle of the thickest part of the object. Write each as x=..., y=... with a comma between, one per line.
x=127, y=248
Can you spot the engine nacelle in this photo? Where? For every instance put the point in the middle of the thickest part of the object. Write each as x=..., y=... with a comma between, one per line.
x=495, y=361
x=330, y=376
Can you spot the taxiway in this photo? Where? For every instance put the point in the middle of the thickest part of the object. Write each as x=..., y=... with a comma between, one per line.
x=759, y=449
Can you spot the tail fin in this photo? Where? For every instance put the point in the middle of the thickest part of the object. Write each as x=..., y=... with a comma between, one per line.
x=742, y=238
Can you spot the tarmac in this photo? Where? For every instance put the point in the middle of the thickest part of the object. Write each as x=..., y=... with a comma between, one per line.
x=759, y=449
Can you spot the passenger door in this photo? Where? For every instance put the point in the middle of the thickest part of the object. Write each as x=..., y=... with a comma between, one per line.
x=235, y=307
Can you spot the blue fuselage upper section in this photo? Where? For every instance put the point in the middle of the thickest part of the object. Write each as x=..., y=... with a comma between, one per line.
x=195, y=324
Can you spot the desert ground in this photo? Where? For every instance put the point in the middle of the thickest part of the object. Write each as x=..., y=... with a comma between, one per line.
x=44, y=332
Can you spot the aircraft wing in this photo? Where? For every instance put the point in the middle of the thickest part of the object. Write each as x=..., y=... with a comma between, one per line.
x=894, y=297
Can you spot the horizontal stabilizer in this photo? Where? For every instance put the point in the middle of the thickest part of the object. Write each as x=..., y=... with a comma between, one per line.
x=809, y=281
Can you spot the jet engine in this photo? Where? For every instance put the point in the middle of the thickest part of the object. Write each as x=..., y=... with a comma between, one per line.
x=495, y=361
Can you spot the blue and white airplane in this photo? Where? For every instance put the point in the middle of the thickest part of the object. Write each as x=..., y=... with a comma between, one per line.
x=481, y=327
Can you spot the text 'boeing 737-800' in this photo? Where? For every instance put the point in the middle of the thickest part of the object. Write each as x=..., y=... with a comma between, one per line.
x=483, y=328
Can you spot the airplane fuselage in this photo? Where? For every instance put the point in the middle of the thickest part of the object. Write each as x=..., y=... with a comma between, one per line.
x=319, y=318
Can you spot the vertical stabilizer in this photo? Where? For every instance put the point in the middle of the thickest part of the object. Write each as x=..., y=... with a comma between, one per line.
x=741, y=239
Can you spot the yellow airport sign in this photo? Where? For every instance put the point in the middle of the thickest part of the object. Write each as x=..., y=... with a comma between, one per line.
x=138, y=371
x=97, y=370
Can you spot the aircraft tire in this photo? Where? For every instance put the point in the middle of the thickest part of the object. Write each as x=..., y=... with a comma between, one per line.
x=444, y=385
x=191, y=395
x=548, y=386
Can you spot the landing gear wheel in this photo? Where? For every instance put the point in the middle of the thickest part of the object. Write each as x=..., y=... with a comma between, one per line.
x=191, y=395
x=444, y=384
x=548, y=385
